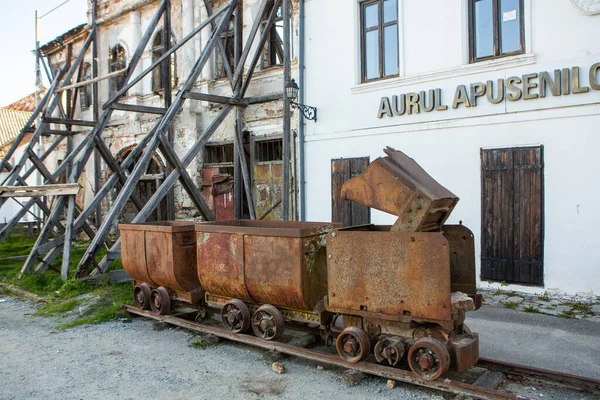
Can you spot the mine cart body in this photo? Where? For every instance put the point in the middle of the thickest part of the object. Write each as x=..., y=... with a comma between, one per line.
x=162, y=254
x=264, y=262
x=399, y=276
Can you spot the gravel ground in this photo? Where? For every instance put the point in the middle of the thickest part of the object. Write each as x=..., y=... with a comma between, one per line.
x=132, y=361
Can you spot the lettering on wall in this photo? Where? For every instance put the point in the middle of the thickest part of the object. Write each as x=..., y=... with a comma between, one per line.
x=560, y=82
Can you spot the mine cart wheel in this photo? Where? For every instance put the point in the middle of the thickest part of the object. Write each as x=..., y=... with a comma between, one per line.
x=389, y=351
x=353, y=344
x=235, y=316
x=428, y=359
x=141, y=296
x=268, y=323
x=160, y=302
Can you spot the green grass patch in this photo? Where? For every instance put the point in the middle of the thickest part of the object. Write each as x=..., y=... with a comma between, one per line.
x=567, y=314
x=58, y=307
x=511, y=305
x=199, y=343
x=544, y=297
x=61, y=298
x=531, y=309
x=580, y=307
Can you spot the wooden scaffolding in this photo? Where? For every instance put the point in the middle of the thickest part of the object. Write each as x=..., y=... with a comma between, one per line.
x=63, y=220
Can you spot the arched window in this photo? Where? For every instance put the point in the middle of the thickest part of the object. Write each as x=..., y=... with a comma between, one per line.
x=273, y=50
x=85, y=93
x=158, y=49
x=117, y=60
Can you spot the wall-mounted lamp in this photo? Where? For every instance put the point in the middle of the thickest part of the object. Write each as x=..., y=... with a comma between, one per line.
x=291, y=90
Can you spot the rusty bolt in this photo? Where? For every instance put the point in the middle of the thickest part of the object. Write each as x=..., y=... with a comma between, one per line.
x=412, y=239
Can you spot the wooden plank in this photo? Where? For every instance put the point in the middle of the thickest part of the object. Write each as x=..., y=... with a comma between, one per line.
x=265, y=98
x=340, y=173
x=39, y=191
x=359, y=214
x=140, y=109
x=212, y=98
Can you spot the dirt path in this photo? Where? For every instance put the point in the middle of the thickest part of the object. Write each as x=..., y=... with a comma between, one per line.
x=120, y=360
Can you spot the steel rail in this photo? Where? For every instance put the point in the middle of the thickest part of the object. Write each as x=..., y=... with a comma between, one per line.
x=441, y=384
x=559, y=378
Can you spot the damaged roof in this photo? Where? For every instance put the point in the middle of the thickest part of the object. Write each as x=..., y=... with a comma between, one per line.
x=11, y=123
x=59, y=42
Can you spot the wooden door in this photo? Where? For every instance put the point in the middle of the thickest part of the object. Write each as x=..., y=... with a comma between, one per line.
x=512, y=208
x=347, y=212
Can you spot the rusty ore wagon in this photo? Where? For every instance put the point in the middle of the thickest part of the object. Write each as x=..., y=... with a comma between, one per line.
x=394, y=293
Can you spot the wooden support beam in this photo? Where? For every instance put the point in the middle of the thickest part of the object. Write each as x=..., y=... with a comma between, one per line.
x=142, y=164
x=39, y=191
x=66, y=121
x=213, y=98
x=44, y=264
x=264, y=99
x=48, y=132
x=89, y=81
x=140, y=109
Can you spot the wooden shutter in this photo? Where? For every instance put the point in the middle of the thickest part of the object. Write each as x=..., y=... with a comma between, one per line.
x=347, y=212
x=512, y=215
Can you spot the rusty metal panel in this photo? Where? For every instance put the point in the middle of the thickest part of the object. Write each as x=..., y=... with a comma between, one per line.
x=392, y=273
x=267, y=190
x=133, y=254
x=398, y=185
x=161, y=253
x=274, y=262
x=462, y=258
x=171, y=259
x=286, y=272
x=220, y=267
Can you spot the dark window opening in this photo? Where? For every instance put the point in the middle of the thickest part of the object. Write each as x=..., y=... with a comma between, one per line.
x=219, y=154
x=495, y=29
x=117, y=61
x=168, y=66
x=379, y=39
x=268, y=150
x=228, y=40
x=85, y=93
x=273, y=51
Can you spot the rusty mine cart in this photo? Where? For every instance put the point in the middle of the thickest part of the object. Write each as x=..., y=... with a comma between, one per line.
x=395, y=292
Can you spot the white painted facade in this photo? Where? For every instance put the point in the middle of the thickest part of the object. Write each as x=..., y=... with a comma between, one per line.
x=434, y=53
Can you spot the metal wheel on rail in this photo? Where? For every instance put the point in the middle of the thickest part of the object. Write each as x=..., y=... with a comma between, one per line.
x=235, y=316
x=353, y=344
x=429, y=359
x=268, y=323
x=389, y=351
x=160, y=302
x=141, y=296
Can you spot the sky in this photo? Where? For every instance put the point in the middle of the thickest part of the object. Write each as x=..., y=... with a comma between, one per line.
x=17, y=30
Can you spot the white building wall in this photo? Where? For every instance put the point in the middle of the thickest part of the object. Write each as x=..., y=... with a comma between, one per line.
x=434, y=54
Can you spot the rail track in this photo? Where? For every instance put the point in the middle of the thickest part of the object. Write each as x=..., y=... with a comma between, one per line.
x=488, y=370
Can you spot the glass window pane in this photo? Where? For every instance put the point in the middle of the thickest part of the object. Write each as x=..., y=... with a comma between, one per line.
x=484, y=29
x=372, y=54
x=371, y=15
x=390, y=10
x=510, y=26
x=390, y=50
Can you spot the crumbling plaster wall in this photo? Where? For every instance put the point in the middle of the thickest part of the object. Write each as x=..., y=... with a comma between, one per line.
x=124, y=22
